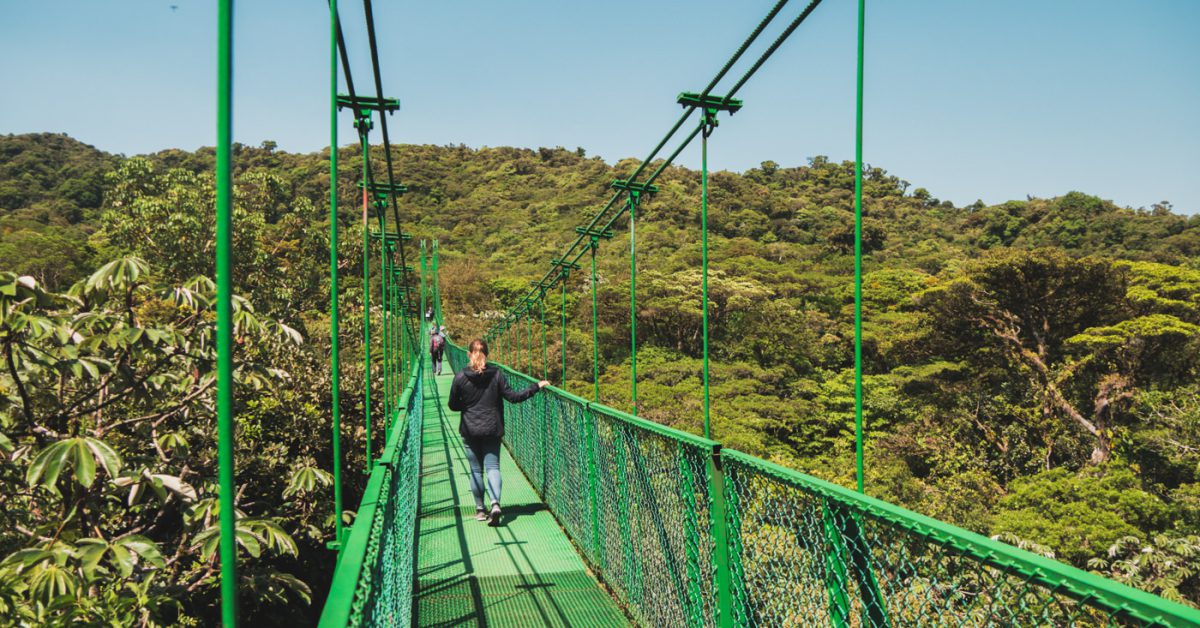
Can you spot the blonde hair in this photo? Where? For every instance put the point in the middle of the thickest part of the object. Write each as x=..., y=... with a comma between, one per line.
x=478, y=351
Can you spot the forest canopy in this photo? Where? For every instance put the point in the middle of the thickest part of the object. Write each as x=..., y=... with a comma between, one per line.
x=1031, y=368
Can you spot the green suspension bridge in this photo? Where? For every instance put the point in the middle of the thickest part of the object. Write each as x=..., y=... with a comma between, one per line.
x=611, y=520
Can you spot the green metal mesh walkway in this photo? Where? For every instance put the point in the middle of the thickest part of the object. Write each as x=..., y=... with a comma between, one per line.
x=523, y=573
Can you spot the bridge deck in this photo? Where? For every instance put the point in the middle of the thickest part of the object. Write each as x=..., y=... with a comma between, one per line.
x=522, y=573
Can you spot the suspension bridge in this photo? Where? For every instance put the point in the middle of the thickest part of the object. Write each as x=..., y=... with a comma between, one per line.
x=611, y=519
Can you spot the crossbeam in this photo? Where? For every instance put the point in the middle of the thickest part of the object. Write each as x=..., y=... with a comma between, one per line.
x=368, y=103
x=379, y=188
x=709, y=102
x=607, y=234
x=392, y=236
x=632, y=186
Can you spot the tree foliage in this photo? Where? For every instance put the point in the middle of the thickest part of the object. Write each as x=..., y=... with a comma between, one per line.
x=1031, y=357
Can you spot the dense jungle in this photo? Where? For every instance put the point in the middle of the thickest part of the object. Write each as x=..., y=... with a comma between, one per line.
x=1031, y=368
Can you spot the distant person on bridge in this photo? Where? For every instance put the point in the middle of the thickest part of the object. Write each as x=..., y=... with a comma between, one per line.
x=478, y=392
x=437, y=346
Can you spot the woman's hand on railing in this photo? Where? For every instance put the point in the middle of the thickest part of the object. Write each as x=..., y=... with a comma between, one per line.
x=542, y=384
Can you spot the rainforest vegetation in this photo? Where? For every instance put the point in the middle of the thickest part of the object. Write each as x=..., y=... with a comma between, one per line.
x=1032, y=369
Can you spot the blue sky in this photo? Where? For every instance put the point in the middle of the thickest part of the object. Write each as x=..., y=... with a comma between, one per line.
x=986, y=99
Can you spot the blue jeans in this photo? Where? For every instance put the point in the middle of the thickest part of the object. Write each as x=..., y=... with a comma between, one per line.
x=484, y=454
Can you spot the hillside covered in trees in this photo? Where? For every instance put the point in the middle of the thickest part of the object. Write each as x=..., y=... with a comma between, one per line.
x=1031, y=367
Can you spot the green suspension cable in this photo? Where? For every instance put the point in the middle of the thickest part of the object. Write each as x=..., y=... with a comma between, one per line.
x=406, y=344
x=398, y=338
x=545, y=352
x=362, y=132
x=437, y=287
x=335, y=368
x=526, y=353
x=424, y=286
x=225, y=427
x=397, y=320
x=514, y=333
x=564, y=330
x=633, y=200
x=385, y=273
x=529, y=338
x=595, y=244
x=707, y=123
x=858, y=140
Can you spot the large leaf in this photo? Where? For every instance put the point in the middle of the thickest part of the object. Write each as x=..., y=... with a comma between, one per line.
x=252, y=535
x=119, y=274
x=81, y=453
x=306, y=480
x=49, y=582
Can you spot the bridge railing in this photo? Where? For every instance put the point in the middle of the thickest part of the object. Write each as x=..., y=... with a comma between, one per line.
x=373, y=581
x=684, y=532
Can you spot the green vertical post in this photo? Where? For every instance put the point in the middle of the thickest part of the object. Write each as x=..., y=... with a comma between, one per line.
x=366, y=260
x=858, y=167
x=225, y=427
x=706, y=123
x=721, y=540
x=595, y=244
x=564, y=330
x=633, y=201
x=335, y=365
x=590, y=428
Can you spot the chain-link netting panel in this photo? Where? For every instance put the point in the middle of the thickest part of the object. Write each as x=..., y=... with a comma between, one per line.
x=457, y=356
x=383, y=596
x=524, y=432
x=655, y=534
x=634, y=501
x=802, y=554
x=548, y=439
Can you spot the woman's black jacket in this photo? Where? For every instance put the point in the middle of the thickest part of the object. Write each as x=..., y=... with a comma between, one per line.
x=478, y=397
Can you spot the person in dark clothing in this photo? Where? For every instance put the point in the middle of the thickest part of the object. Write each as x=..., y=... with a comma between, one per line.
x=437, y=344
x=479, y=392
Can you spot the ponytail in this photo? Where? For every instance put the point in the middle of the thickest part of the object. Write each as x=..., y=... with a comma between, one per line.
x=478, y=351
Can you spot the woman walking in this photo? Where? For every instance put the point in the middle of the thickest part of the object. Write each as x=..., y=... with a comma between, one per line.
x=478, y=392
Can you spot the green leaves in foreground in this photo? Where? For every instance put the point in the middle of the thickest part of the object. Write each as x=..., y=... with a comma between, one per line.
x=252, y=535
x=59, y=569
x=81, y=454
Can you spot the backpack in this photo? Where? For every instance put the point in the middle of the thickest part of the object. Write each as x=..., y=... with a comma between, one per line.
x=435, y=343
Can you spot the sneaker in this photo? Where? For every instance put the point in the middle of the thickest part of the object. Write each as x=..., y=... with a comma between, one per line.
x=494, y=518
x=481, y=514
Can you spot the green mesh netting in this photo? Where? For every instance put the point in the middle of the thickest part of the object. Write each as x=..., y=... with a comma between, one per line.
x=383, y=596
x=636, y=499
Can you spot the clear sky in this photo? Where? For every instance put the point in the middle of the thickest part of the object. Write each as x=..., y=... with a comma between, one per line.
x=984, y=99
